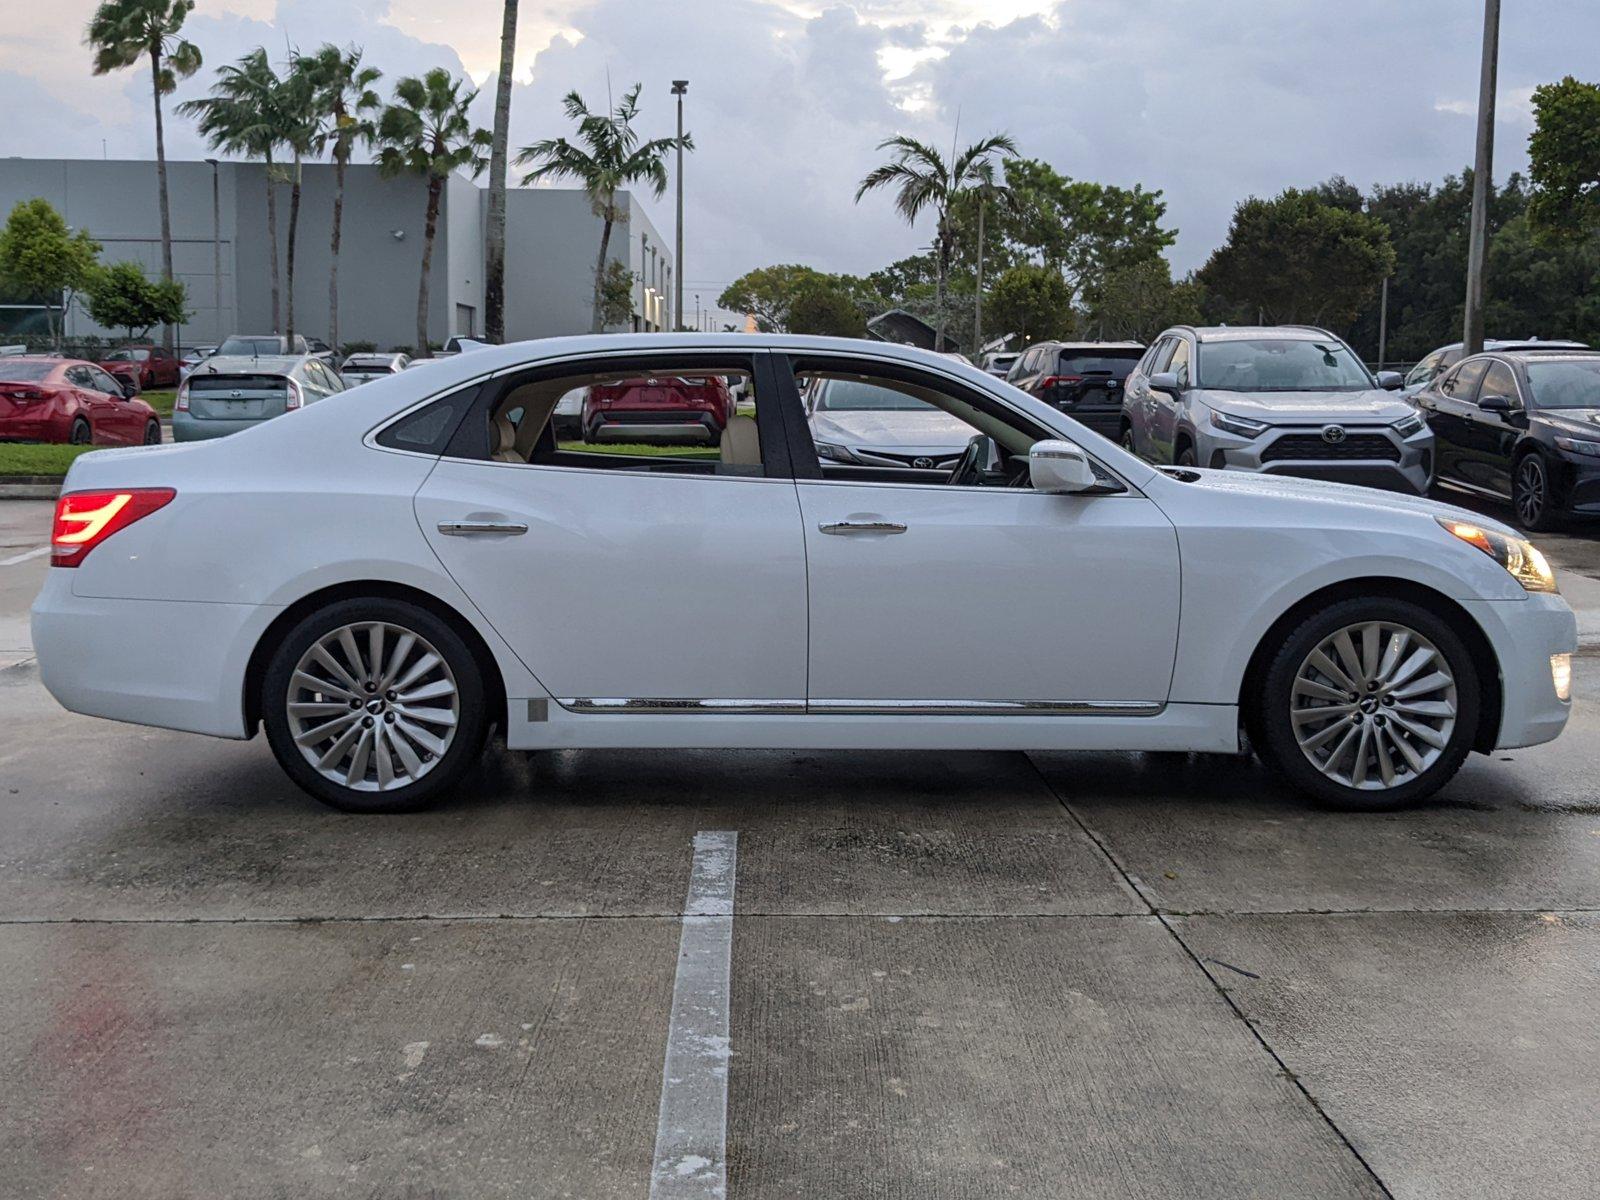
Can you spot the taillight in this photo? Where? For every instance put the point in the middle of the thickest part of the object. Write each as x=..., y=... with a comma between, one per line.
x=85, y=519
x=294, y=395
x=22, y=393
x=181, y=404
x=1050, y=381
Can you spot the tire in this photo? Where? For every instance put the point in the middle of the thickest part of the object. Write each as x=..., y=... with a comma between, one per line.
x=81, y=434
x=1126, y=440
x=152, y=433
x=1185, y=456
x=1409, y=766
x=1531, y=493
x=425, y=755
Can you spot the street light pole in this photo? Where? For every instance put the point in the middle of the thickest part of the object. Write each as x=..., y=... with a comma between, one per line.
x=1482, y=181
x=216, y=249
x=679, y=87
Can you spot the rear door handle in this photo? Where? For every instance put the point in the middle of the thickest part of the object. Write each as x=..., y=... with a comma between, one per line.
x=471, y=528
x=847, y=527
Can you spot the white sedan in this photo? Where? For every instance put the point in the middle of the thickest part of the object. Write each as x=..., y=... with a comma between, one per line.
x=381, y=578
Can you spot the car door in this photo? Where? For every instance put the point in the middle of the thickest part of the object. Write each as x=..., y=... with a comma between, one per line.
x=675, y=582
x=95, y=405
x=1490, y=437
x=1451, y=404
x=1137, y=400
x=1166, y=407
x=121, y=420
x=930, y=597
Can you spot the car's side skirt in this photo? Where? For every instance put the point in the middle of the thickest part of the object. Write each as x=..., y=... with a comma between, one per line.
x=861, y=708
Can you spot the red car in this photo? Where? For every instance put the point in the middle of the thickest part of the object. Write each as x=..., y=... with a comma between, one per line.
x=147, y=365
x=65, y=400
x=674, y=408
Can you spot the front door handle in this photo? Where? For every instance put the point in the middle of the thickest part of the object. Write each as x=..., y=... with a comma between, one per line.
x=845, y=527
x=470, y=528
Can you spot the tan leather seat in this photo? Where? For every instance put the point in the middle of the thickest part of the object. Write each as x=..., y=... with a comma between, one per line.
x=505, y=441
x=741, y=443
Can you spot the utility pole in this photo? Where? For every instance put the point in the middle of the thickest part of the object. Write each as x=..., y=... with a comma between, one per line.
x=977, y=295
x=679, y=87
x=1482, y=181
x=1383, y=323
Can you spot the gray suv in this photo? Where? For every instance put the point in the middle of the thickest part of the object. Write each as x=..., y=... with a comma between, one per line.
x=1284, y=400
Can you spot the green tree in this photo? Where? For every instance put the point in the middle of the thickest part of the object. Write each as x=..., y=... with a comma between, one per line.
x=40, y=257
x=770, y=294
x=122, y=296
x=616, y=294
x=924, y=181
x=1564, y=159
x=494, y=234
x=346, y=108
x=241, y=116
x=426, y=132
x=607, y=157
x=1296, y=259
x=1137, y=302
x=1030, y=301
x=123, y=33
x=826, y=308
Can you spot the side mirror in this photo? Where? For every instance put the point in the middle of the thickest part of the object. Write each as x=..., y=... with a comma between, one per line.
x=1059, y=466
x=1495, y=404
x=1391, y=381
x=1164, y=381
x=129, y=388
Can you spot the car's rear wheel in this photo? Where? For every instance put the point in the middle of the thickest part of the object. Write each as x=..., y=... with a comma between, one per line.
x=152, y=433
x=1530, y=493
x=81, y=434
x=1368, y=704
x=374, y=705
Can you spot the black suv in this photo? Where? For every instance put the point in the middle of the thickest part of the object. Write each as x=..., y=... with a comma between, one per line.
x=1082, y=379
x=1522, y=426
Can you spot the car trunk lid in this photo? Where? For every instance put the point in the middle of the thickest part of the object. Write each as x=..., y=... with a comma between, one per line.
x=238, y=397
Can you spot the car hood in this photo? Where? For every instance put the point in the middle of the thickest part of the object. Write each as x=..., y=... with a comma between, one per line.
x=889, y=430
x=1290, y=487
x=1371, y=407
x=1579, y=422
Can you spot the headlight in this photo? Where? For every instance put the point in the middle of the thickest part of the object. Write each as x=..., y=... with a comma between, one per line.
x=1527, y=566
x=1408, y=425
x=1579, y=446
x=836, y=453
x=1238, y=425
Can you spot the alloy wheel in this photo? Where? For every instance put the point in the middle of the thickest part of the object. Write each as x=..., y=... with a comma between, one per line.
x=373, y=706
x=81, y=434
x=1373, y=705
x=1530, y=490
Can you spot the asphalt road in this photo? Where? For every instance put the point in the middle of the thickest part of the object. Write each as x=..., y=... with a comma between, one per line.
x=957, y=975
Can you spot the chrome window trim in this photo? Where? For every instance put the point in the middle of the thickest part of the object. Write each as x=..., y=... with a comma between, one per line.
x=679, y=706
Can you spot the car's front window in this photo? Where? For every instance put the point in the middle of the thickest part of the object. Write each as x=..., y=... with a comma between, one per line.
x=849, y=395
x=1574, y=383
x=1281, y=365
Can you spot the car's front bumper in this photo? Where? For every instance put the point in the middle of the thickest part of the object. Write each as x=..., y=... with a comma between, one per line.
x=1525, y=634
x=1408, y=468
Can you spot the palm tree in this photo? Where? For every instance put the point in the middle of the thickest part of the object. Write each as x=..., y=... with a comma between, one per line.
x=121, y=33
x=426, y=132
x=494, y=237
x=298, y=130
x=613, y=159
x=240, y=117
x=925, y=180
x=347, y=104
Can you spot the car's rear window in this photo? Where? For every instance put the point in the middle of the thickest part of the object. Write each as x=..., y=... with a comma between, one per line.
x=1115, y=363
x=224, y=384
x=25, y=372
x=254, y=346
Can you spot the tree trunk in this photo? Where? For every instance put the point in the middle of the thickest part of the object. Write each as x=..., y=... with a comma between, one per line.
x=161, y=182
x=429, y=224
x=294, y=225
x=333, y=251
x=598, y=323
x=941, y=256
x=272, y=246
x=977, y=295
x=494, y=241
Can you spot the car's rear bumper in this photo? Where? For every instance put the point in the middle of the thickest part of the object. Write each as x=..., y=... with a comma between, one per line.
x=169, y=663
x=1525, y=634
x=189, y=428
x=613, y=425
x=23, y=429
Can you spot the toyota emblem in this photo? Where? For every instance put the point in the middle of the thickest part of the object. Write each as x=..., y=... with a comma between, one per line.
x=1333, y=434
x=922, y=464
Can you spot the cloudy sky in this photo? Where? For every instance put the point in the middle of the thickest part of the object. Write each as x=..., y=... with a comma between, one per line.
x=1208, y=100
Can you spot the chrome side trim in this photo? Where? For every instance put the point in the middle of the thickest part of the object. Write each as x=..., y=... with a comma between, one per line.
x=674, y=706
x=985, y=708
x=670, y=706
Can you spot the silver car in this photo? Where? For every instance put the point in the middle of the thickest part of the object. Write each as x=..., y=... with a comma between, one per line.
x=1284, y=400
x=856, y=422
x=364, y=368
x=225, y=394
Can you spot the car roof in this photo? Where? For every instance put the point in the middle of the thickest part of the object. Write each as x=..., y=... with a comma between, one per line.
x=374, y=357
x=1557, y=354
x=1254, y=333
x=1100, y=345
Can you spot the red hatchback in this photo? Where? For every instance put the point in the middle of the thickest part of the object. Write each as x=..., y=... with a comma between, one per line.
x=64, y=400
x=673, y=408
x=148, y=366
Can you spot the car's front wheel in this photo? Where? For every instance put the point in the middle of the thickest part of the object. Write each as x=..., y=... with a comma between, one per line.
x=374, y=705
x=1531, y=493
x=1368, y=704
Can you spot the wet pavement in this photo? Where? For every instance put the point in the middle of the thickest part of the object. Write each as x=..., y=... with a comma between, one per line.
x=973, y=975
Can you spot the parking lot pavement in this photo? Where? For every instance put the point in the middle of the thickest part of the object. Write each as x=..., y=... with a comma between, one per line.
x=950, y=975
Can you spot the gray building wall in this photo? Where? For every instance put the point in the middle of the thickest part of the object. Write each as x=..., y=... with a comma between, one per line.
x=552, y=238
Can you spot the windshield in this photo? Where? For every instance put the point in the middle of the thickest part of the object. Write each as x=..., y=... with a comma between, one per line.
x=251, y=346
x=848, y=395
x=1571, y=384
x=25, y=372
x=1280, y=365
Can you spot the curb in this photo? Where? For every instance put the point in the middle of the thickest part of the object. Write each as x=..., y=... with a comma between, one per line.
x=31, y=487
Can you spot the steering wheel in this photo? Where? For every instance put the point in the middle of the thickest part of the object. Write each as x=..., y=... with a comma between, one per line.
x=969, y=469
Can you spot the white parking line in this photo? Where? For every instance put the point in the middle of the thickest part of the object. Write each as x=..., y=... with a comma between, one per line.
x=24, y=556
x=692, y=1131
